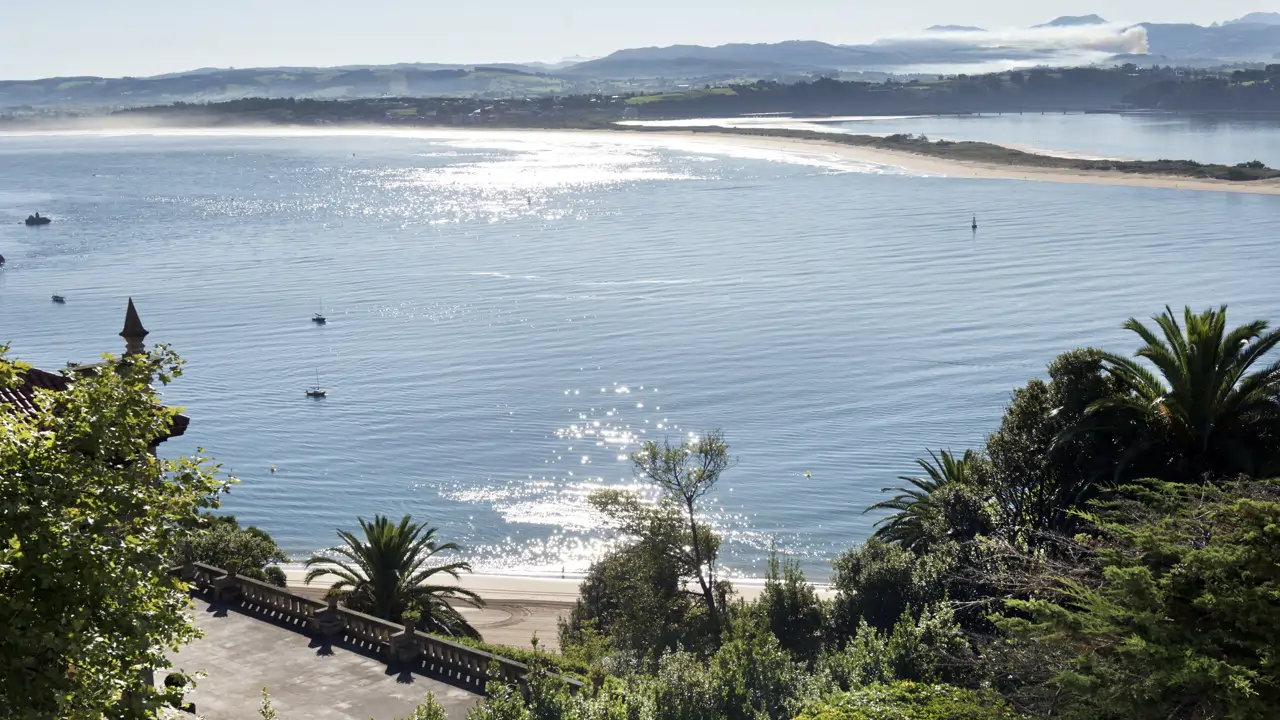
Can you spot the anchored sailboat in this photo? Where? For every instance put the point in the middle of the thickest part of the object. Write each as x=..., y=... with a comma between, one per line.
x=315, y=391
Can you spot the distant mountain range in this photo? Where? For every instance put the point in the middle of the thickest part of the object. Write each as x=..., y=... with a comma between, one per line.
x=1258, y=18
x=1065, y=41
x=1073, y=21
x=216, y=85
x=1253, y=38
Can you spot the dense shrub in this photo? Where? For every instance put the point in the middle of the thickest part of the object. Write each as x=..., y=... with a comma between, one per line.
x=1042, y=465
x=877, y=582
x=555, y=662
x=930, y=648
x=632, y=596
x=223, y=543
x=1178, y=615
x=791, y=609
x=1036, y=574
x=910, y=701
x=755, y=677
x=635, y=596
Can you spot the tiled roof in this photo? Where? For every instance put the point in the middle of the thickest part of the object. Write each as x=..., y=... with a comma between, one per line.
x=22, y=397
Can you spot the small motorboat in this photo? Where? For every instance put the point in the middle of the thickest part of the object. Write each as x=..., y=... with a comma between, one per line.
x=315, y=391
x=33, y=220
x=319, y=317
x=59, y=299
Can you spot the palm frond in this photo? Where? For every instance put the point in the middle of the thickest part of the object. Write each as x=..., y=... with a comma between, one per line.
x=386, y=572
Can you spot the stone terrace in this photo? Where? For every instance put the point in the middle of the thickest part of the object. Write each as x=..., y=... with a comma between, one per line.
x=306, y=678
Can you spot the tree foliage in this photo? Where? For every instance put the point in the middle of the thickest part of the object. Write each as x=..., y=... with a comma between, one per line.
x=1037, y=577
x=1179, y=616
x=939, y=506
x=878, y=581
x=1041, y=466
x=1204, y=409
x=390, y=571
x=89, y=523
x=792, y=610
x=638, y=595
x=928, y=648
x=911, y=701
x=221, y=542
x=686, y=473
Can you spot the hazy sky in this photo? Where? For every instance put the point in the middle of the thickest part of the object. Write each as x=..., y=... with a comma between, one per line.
x=43, y=38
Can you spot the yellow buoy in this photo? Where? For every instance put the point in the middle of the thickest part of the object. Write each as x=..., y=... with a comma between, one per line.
x=807, y=475
x=273, y=468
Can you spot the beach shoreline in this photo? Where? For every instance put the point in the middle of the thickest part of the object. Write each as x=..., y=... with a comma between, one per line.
x=713, y=138
x=528, y=588
x=951, y=168
x=519, y=607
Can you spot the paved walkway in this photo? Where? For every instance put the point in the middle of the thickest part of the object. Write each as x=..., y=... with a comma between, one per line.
x=241, y=653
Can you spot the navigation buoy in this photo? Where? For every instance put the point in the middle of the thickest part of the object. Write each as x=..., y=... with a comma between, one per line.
x=273, y=469
x=975, y=222
x=808, y=475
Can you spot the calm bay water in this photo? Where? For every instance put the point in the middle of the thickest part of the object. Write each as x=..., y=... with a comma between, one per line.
x=510, y=312
x=1203, y=138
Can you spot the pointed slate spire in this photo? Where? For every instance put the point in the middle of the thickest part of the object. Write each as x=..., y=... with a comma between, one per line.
x=133, y=332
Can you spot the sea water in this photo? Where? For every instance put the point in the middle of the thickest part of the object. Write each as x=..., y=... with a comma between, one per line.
x=511, y=313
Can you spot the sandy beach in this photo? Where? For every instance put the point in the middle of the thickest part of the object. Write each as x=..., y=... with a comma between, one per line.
x=939, y=167
x=517, y=607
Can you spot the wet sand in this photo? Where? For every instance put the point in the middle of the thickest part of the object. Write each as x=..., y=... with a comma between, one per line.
x=941, y=167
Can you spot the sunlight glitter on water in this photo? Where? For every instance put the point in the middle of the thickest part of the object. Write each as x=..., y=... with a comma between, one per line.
x=463, y=313
x=598, y=440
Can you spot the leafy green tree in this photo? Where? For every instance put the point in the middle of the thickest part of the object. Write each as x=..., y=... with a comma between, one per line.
x=932, y=509
x=89, y=522
x=1175, y=614
x=390, y=571
x=221, y=542
x=1204, y=409
x=686, y=473
x=1041, y=467
x=792, y=610
x=756, y=677
x=928, y=648
x=636, y=595
x=878, y=581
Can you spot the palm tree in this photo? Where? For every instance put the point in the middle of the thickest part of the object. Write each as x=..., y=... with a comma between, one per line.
x=388, y=573
x=1202, y=410
x=917, y=507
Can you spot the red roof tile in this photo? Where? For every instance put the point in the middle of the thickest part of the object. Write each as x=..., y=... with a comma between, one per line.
x=22, y=397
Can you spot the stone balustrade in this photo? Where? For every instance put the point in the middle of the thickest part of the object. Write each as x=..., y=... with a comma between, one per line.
x=400, y=646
